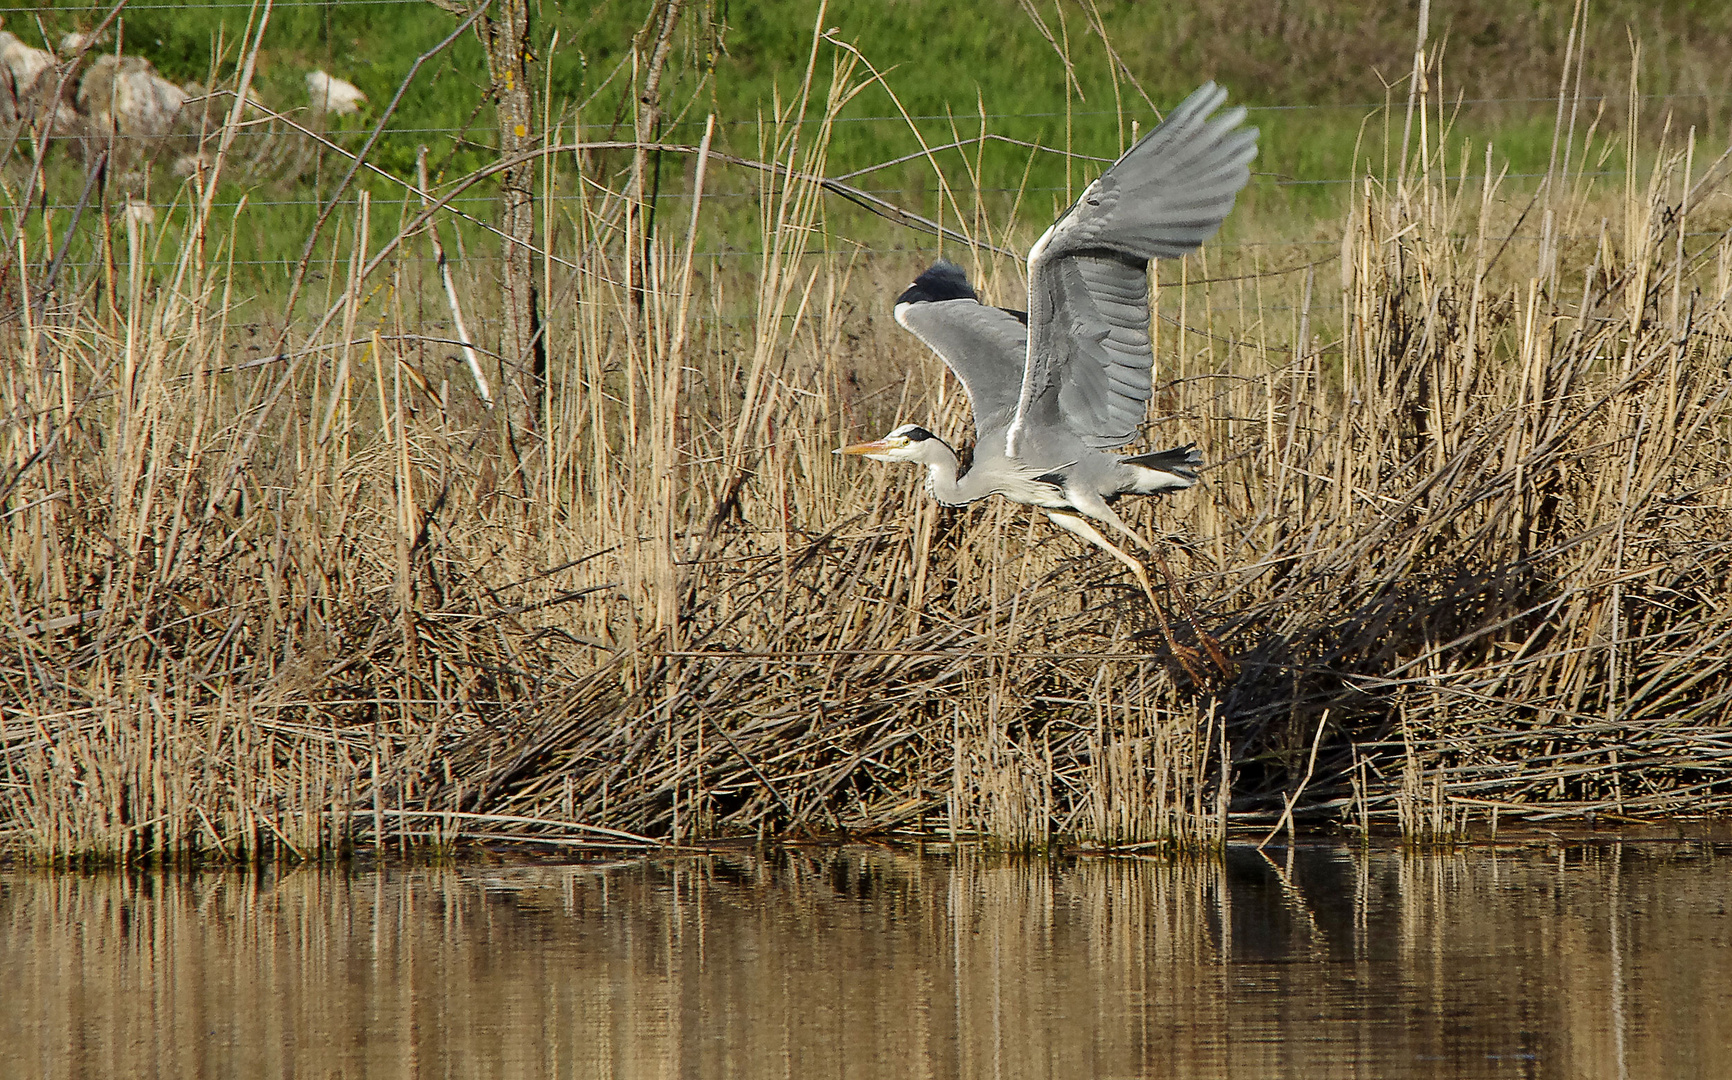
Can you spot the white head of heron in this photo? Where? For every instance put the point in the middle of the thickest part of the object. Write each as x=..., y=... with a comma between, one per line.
x=910, y=442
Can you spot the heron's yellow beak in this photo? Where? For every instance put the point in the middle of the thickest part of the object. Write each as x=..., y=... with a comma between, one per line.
x=877, y=446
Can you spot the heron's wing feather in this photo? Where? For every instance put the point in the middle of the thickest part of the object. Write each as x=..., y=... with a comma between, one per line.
x=983, y=345
x=1088, y=366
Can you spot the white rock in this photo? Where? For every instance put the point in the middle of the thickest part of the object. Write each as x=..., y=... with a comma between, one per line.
x=72, y=42
x=34, y=78
x=24, y=62
x=127, y=93
x=334, y=95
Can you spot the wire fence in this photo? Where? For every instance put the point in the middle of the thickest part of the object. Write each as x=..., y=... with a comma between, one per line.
x=479, y=204
x=971, y=130
x=291, y=199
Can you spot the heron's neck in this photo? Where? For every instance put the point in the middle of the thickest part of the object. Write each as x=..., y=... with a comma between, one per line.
x=942, y=482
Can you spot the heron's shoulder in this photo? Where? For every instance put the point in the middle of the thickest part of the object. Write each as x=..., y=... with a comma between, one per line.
x=943, y=280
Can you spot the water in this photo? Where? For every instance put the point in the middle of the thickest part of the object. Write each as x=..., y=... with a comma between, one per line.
x=1553, y=960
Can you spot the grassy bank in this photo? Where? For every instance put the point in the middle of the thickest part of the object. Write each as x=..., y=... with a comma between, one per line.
x=1464, y=535
x=1315, y=74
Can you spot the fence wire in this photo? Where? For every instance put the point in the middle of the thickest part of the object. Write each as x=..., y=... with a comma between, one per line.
x=276, y=196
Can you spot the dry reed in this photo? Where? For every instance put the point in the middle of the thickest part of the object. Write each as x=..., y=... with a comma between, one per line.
x=1466, y=537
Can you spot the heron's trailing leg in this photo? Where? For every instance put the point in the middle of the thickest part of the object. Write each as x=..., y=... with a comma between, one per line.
x=1215, y=652
x=1100, y=511
x=1105, y=513
x=1078, y=526
x=1071, y=523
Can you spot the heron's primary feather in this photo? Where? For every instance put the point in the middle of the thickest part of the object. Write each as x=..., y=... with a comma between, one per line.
x=1087, y=369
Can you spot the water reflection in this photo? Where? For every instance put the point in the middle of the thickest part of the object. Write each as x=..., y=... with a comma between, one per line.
x=1586, y=961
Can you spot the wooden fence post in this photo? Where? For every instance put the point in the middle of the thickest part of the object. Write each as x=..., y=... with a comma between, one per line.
x=523, y=349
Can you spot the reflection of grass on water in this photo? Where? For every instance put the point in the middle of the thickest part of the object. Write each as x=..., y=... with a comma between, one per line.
x=1464, y=537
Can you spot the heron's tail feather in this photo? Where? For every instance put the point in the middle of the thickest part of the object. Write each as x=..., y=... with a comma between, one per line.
x=1175, y=468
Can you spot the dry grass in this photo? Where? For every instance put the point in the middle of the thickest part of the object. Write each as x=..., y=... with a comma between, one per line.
x=1465, y=537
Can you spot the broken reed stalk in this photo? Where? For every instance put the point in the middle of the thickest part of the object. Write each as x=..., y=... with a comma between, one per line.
x=1477, y=520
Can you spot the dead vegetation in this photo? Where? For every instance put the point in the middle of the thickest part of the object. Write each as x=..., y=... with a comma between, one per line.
x=1465, y=537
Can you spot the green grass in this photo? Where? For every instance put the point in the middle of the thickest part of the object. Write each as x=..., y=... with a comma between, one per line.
x=1311, y=71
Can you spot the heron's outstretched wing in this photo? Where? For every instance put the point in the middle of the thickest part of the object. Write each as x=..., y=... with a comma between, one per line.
x=985, y=346
x=1088, y=364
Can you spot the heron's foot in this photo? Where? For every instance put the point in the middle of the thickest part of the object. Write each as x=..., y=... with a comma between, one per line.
x=1194, y=661
x=1191, y=660
x=1217, y=655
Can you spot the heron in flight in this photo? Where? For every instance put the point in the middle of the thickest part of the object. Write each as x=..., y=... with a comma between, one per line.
x=1058, y=390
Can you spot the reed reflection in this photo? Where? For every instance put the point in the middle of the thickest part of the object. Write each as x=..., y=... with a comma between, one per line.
x=1566, y=961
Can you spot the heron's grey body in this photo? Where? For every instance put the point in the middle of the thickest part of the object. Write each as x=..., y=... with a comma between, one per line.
x=1057, y=391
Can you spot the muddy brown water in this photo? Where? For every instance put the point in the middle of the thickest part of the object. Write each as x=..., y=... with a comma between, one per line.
x=1549, y=960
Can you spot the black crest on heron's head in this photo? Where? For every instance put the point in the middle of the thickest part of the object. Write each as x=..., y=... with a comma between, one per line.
x=914, y=433
x=943, y=280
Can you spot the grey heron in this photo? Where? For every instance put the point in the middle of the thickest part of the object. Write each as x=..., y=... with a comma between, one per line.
x=1058, y=390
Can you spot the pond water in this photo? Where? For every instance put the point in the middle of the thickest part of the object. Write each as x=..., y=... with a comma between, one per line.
x=1549, y=959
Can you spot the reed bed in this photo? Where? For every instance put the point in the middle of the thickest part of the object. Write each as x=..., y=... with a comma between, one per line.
x=1464, y=537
